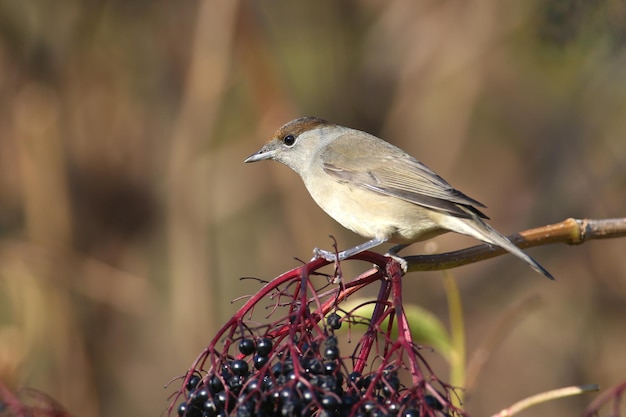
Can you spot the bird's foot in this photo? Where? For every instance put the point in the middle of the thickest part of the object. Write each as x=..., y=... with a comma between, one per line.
x=403, y=263
x=321, y=253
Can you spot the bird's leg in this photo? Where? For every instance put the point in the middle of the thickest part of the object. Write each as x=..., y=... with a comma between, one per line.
x=332, y=257
x=396, y=249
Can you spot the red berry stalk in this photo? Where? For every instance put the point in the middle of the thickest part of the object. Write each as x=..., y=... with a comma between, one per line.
x=291, y=362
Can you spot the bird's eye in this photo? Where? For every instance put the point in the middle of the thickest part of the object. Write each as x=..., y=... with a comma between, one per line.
x=289, y=140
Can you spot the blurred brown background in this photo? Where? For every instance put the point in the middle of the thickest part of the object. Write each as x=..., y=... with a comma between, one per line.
x=127, y=216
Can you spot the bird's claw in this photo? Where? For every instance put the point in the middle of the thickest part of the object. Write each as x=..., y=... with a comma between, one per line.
x=403, y=263
x=324, y=254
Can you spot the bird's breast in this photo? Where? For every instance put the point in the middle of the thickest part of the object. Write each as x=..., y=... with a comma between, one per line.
x=370, y=214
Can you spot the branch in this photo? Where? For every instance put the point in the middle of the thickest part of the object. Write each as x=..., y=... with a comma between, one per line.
x=570, y=231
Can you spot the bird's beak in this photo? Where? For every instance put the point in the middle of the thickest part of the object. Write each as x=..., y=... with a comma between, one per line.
x=262, y=154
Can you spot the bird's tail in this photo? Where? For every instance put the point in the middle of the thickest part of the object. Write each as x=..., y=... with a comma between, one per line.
x=480, y=230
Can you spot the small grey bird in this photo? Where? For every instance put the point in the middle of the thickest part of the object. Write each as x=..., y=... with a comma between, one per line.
x=376, y=189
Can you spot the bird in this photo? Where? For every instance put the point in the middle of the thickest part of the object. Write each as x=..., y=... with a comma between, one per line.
x=376, y=189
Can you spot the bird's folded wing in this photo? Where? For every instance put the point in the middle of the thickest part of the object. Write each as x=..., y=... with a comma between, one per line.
x=357, y=160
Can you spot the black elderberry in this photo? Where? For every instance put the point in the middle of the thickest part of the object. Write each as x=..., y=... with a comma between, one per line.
x=239, y=367
x=276, y=396
x=394, y=381
x=364, y=383
x=245, y=410
x=309, y=349
x=432, y=402
x=277, y=369
x=259, y=361
x=330, y=402
x=391, y=387
x=265, y=413
x=315, y=366
x=209, y=409
x=290, y=408
x=331, y=341
x=411, y=412
x=354, y=377
x=264, y=346
x=288, y=366
x=226, y=367
x=267, y=383
x=301, y=385
x=339, y=377
x=378, y=413
x=314, y=379
x=308, y=395
x=329, y=383
x=348, y=402
x=281, y=380
x=292, y=319
x=220, y=400
x=215, y=384
x=286, y=393
x=392, y=407
x=193, y=382
x=182, y=409
x=267, y=407
x=334, y=321
x=232, y=402
x=411, y=403
x=369, y=406
x=331, y=352
x=187, y=410
x=199, y=397
x=252, y=385
x=235, y=383
x=247, y=346
x=330, y=367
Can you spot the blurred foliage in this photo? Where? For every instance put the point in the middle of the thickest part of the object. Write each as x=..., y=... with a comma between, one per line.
x=127, y=217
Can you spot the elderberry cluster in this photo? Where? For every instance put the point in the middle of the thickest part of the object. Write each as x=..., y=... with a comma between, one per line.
x=300, y=375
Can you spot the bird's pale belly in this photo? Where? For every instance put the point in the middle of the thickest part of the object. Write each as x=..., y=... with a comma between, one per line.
x=374, y=215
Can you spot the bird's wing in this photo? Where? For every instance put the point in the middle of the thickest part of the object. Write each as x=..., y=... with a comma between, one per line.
x=370, y=163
